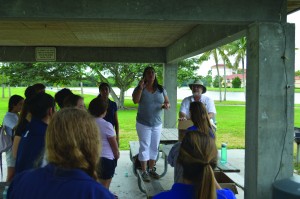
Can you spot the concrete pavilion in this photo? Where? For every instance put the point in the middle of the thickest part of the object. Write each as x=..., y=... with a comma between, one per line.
x=166, y=32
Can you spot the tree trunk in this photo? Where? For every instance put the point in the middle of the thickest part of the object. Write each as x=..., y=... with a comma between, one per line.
x=81, y=88
x=220, y=88
x=243, y=73
x=3, y=95
x=9, y=91
x=225, y=82
x=122, y=96
x=115, y=97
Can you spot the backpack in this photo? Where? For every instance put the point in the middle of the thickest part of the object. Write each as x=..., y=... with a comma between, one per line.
x=5, y=140
x=5, y=144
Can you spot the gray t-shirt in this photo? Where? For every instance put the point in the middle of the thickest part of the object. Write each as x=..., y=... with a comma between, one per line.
x=10, y=121
x=150, y=107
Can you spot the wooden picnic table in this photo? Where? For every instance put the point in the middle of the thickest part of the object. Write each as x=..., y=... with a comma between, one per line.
x=169, y=136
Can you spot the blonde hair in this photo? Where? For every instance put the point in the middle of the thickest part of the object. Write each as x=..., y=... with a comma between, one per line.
x=198, y=156
x=72, y=141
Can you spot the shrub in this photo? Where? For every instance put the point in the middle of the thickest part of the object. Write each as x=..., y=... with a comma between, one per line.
x=216, y=81
x=236, y=82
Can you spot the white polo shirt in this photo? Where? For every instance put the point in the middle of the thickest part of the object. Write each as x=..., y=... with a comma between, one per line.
x=208, y=102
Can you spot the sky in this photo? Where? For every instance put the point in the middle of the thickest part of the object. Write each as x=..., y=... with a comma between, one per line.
x=291, y=18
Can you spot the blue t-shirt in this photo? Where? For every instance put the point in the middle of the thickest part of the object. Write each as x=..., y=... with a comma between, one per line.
x=31, y=146
x=194, y=128
x=186, y=191
x=52, y=182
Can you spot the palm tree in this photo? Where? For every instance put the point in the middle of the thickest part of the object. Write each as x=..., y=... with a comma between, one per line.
x=222, y=51
x=217, y=54
x=238, y=48
x=205, y=56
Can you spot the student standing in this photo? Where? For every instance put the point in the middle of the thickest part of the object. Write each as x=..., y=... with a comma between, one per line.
x=112, y=110
x=10, y=121
x=32, y=144
x=110, y=151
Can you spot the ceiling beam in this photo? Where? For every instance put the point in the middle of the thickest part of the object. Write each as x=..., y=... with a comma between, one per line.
x=203, y=38
x=86, y=54
x=233, y=11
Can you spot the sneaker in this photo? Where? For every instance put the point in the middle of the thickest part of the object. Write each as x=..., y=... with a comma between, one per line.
x=153, y=174
x=145, y=176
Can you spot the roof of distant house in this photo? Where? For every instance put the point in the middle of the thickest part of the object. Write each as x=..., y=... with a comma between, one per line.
x=230, y=77
x=219, y=65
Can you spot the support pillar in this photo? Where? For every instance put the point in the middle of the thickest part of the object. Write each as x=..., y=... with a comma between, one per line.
x=170, y=84
x=269, y=107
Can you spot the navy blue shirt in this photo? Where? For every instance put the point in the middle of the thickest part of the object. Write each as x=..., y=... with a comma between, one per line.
x=111, y=112
x=31, y=147
x=52, y=182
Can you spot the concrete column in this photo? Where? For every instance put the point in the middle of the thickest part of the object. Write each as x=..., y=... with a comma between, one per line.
x=269, y=107
x=170, y=84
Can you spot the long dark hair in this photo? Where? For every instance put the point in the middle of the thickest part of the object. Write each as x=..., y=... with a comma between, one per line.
x=13, y=101
x=30, y=92
x=156, y=85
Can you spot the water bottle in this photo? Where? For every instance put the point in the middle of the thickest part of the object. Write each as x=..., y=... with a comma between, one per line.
x=126, y=174
x=5, y=192
x=224, y=153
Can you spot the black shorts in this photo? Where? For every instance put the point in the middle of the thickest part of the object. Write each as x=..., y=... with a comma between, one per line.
x=106, y=168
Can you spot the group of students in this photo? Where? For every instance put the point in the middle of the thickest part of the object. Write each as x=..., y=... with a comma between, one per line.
x=75, y=149
x=58, y=155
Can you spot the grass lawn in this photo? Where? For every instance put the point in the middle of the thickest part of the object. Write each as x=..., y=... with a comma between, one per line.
x=230, y=121
x=230, y=118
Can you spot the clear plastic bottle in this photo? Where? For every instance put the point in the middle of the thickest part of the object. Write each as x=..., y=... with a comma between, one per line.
x=5, y=192
x=224, y=153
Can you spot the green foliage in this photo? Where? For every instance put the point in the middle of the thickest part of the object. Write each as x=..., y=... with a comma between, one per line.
x=216, y=81
x=297, y=73
x=207, y=80
x=48, y=73
x=238, y=49
x=187, y=71
x=236, y=82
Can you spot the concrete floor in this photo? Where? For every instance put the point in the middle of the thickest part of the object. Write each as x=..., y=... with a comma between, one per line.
x=124, y=183
x=127, y=187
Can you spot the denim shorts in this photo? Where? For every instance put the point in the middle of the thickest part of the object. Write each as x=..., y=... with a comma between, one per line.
x=107, y=168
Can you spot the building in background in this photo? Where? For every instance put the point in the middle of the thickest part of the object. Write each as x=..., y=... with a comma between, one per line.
x=297, y=81
x=229, y=79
